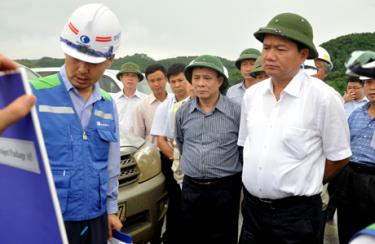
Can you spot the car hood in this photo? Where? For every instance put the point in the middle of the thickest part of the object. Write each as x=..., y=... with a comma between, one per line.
x=130, y=143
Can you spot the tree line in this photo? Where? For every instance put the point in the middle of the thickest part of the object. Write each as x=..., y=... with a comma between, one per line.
x=339, y=49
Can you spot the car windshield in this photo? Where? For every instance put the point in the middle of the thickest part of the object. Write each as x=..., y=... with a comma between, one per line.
x=31, y=75
x=107, y=84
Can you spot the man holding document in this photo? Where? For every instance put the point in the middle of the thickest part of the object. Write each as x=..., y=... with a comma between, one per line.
x=80, y=126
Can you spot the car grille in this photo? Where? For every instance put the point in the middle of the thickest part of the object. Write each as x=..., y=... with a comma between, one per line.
x=129, y=170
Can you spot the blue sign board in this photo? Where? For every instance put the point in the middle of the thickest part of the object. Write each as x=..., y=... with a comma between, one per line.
x=29, y=208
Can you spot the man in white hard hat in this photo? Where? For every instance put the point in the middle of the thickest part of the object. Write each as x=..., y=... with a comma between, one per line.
x=80, y=126
x=323, y=63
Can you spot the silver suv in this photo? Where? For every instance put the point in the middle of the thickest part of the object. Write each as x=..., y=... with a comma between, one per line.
x=142, y=196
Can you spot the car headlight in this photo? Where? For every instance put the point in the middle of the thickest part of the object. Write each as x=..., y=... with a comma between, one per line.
x=148, y=161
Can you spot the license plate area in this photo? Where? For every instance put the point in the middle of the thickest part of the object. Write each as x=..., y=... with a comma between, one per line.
x=122, y=211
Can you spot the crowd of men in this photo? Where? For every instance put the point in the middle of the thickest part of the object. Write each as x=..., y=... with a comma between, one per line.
x=277, y=136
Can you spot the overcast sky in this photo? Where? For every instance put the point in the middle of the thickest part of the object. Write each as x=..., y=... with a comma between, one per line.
x=171, y=28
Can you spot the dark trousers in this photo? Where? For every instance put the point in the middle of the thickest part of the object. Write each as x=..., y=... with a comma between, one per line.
x=290, y=220
x=332, y=204
x=322, y=226
x=356, y=203
x=210, y=210
x=93, y=231
x=173, y=224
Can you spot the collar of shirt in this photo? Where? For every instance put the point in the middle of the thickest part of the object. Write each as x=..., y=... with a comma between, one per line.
x=152, y=98
x=365, y=107
x=363, y=100
x=174, y=100
x=220, y=105
x=95, y=96
x=294, y=86
x=242, y=86
x=121, y=94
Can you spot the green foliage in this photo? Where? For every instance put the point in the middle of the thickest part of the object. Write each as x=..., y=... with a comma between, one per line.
x=339, y=49
x=43, y=62
x=141, y=59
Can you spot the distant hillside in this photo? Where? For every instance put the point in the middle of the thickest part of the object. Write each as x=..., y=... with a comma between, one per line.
x=339, y=48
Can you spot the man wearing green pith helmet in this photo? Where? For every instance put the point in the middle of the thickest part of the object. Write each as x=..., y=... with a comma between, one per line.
x=295, y=137
x=245, y=64
x=206, y=135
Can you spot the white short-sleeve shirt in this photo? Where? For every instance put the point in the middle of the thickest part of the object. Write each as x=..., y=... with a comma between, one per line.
x=125, y=109
x=286, y=142
x=162, y=116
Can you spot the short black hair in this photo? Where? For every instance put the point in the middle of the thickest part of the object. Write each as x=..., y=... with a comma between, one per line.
x=175, y=69
x=155, y=67
x=355, y=79
x=300, y=45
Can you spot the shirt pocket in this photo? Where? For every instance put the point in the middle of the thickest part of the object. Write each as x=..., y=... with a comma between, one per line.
x=62, y=183
x=294, y=142
x=100, y=145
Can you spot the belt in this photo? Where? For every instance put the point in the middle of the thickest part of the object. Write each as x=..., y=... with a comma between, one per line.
x=283, y=202
x=362, y=168
x=211, y=181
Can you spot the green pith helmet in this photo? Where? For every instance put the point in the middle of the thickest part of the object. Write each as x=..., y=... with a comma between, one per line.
x=208, y=61
x=291, y=26
x=130, y=67
x=257, y=68
x=250, y=53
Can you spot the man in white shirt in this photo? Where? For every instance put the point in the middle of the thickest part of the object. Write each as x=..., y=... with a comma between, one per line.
x=295, y=137
x=144, y=111
x=126, y=99
x=161, y=129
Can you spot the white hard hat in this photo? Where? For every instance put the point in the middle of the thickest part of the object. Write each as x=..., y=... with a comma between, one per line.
x=92, y=33
x=309, y=67
x=363, y=78
x=361, y=63
x=324, y=55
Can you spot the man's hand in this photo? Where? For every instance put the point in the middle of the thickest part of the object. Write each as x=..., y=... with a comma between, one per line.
x=114, y=223
x=346, y=97
x=15, y=111
x=332, y=168
x=162, y=143
x=18, y=108
x=7, y=64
